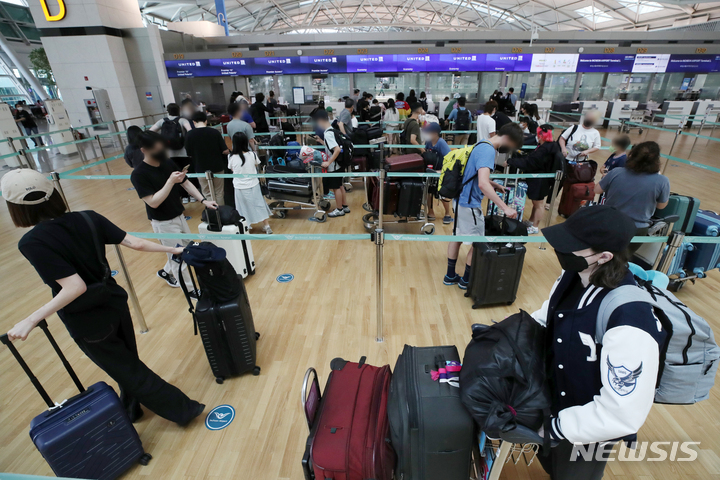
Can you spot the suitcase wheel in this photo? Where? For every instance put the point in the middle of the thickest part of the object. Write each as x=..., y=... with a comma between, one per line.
x=675, y=286
x=256, y=371
x=324, y=205
x=367, y=207
x=145, y=459
x=219, y=380
x=257, y=335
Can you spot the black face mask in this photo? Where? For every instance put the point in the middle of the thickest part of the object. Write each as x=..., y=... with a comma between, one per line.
x=160, y=155
x=573, y=263
x=504, y=149
x=587, y=123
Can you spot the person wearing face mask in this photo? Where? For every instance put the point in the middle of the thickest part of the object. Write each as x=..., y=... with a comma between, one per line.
x=157, y=182
x=546, y=158
x=601, y=392
x=581, y=139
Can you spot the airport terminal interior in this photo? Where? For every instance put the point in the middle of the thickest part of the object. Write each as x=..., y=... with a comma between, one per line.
x=377, y=103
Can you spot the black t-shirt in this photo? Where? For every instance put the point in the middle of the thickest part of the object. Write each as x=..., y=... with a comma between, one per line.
x=500, y=120
x=28, y=121
x=148, y=180
x=205, y=146
x=63, y=247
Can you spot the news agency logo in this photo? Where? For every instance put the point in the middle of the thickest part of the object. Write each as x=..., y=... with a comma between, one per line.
x=220, y=417
x=637, y=452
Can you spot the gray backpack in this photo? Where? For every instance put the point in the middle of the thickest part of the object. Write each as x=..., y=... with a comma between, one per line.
x=689, y=358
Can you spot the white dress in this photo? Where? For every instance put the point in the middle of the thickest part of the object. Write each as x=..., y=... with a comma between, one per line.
x=249, y=201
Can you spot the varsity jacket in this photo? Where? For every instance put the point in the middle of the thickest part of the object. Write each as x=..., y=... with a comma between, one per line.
x=601, y=392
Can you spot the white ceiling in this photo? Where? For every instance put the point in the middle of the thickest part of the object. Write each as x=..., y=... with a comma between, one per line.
x=329, y=16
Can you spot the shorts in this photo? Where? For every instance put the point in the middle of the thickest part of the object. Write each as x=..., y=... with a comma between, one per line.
x=469, y=221
x=333, y=183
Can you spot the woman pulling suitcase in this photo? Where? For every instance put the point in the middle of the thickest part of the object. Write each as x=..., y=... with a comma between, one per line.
x=68, y=252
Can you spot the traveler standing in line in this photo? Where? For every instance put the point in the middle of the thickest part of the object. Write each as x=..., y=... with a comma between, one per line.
x=249, y=201
x=355, y=96
x=173, y=129
x=512, y=98
x=157, y=182
x=452, y=105
x=411, y=98
x=26, y=118
x=581, y=139
x=619, y=156
x=638, y=188
x=469, y=218
x=501, y=119
x=272, y=102
x=133, y=156
x=463, y=120
x=546, y=158
x=207, y=149
x=187, y=109
x=600, y=393
x=258, y=111
x=424, y=102
x=530, y=110
x=402, y=106
x=411, y=128
x=440, y=147
x=62, y=247
x=485, y=123
x=332, y=148
x=237, y=124
x=375, y=111
x=344, y=118
x=390, y=121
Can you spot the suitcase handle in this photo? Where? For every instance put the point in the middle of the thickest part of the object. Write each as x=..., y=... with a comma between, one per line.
x=38, y=386
x=307, y=382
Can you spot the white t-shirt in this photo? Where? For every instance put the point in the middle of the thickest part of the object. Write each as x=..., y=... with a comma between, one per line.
x=583, y=139
x=330, y=144
x=391, y=116
x=184, y=123
x=485, y=126
x=235, y=164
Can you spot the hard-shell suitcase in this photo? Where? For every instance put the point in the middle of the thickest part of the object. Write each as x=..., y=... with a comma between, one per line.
x=432, y=432
x=239, y=253
x=410, y=200
x=495, y=273
x=291, y=189
x=228, y=335
x=704, y=256
x=412, y=162
x=349, y=432
x=390, y=199
x=87, y=436
x=678, y=264
x=375, y=131
x=683, y=206
x=575, y=196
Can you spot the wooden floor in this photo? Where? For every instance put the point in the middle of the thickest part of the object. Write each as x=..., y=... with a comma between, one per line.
x=327, y=311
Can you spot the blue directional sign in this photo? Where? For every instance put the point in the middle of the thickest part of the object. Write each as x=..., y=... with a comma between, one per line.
x=285, y=278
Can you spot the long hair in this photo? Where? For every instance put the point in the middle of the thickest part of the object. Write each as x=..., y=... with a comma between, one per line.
x=30, y=215
x=391, y=105
x=644, y=158
x=133, y=132
x=610, y=274
x=240, y=145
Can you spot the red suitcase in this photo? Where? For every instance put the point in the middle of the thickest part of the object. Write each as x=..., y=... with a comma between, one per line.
x=391, y=199
x=359, y=164
x=412, y=162
x=349, y=429
x=575, y=196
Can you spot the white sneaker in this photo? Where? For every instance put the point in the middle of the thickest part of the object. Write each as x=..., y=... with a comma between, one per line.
x=336, y=213
x=192, y=200
x=268, y=230
x=185, y=200
x=533, y=230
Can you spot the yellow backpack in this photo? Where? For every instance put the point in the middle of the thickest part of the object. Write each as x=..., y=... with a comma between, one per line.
x=450, y=184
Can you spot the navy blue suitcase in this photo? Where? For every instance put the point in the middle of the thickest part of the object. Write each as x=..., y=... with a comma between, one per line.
x=705, y=256
x=88, y=436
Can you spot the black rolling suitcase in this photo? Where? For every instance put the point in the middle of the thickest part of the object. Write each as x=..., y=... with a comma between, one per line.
x=431, y=430
x=291, y=189
x=495, y=273
x=225, y=324
x=411, y=198
x=87, y=436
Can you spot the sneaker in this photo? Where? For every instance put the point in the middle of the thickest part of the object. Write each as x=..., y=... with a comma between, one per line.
x=346, y=209
x=533, y=230
x=196, y=413
x=452, y=280
x=336, y=213
x=268, y=230
x=195, y=294
x=463, y=284
x=330, y=196
x=185, y=200
x=168, y=278
x=527, y=223
x=192, y=200
x=447, y=219
x=431, y=217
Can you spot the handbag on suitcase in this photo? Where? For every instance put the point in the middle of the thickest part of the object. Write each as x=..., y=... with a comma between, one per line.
x=89, y=435
x=575, y=196
x=349, y=432
x=581, y=171
x=432, y=432
x=411, y=198
x=239, y=253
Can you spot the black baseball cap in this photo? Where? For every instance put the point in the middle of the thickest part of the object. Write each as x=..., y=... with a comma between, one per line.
x=320, y=115
x=599, y=227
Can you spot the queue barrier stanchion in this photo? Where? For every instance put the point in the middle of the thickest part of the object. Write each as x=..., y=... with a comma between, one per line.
x=553, y=201
x=26, y=153
x=56, y=182
x=211, y=184
x=379, y=238
x=702, y=124
x=102, y=153
x=92, y=144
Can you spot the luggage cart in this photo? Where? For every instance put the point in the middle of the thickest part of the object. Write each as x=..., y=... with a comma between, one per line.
x=314, y=201
x=636, y=116
x=492, y=455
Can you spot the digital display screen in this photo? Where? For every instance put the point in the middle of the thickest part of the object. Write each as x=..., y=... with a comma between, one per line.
x=505, y=62
x=650, y=63
x=553, y=62
x=692, y=63
x=370, y=63
x=231, y=66
x=333, y=64
x=188, y=68
x=468, y=62
x=612, y=63
x=413, y=63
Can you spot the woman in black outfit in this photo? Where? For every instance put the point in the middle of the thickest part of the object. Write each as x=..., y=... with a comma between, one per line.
x=62, y=248
x=133, y=155
x=258, y=111
x=546, y=158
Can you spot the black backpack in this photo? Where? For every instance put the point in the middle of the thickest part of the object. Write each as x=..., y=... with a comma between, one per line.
x=173, y=134
x=572, y=132
x=217, y=279
x=463, y=120
x=278, y=140
x=224, y=215
x=347, y=149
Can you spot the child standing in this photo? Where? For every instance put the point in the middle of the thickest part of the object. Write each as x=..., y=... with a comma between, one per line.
x=249, y=200
x=619, y=156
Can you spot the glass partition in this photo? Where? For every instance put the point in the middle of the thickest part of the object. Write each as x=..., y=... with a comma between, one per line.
x=466, y=85
x=559, y=87
x=591, y=87
x=262, y=83
x=710, y=90
x=287, y=82
x=667, y=86
x=616, y=84
x=337, y=85
x=489, y=82
x=386, y=87
x=441, y=85
x=533, y=81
